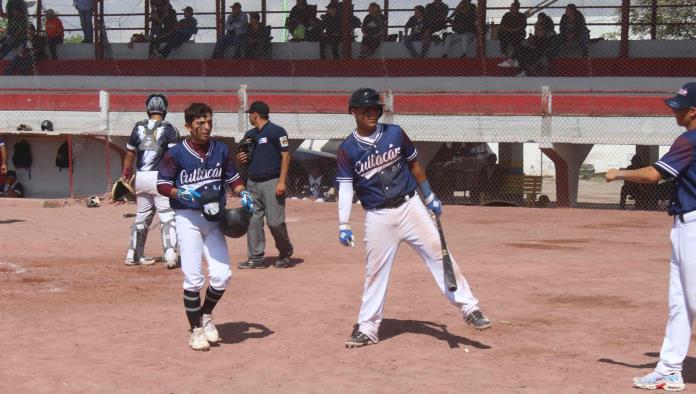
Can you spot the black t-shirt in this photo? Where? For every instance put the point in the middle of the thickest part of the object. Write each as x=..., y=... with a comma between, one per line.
x=331, y=25
x=416, y=26
x=464, y=22
x=516, y=20
x=270, y=141
x=436, y=16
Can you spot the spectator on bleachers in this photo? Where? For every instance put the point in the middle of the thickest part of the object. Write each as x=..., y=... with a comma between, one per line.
x=463, y=21
x=185, y=29
x=54, y=32
x=547, y=24
x=17, y=24
x=435, y=20
x=331, y=31
x=258, y=40
x=511, y=33
x=11, y=188
x=373, y=29
x=416, y=25
x=34, y=50
x=236, y=27
x=86, y=8
x=300, y=20
x=532, y=54
x=162, y=24
x=573, y=30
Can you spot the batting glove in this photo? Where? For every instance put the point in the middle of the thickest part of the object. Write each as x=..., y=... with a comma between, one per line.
x=188, y=195
x=247, y=201
x=434, y=204
x=345, y=235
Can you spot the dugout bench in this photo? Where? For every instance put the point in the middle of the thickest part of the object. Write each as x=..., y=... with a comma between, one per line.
x=518, y=190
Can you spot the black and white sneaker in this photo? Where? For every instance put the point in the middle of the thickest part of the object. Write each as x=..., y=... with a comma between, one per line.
x=252, y=264
x=478, y=320
x=358, y=339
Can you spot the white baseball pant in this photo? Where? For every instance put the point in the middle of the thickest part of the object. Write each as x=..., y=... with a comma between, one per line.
x=682, y=295
x=385, y=229
x=198, y=237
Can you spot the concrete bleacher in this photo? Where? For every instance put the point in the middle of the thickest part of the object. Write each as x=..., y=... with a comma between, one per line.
x=388, y=50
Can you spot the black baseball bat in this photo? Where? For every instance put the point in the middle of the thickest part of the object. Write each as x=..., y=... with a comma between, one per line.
x=450, y=282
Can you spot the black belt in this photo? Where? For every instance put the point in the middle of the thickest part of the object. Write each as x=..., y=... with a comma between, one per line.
x=397, y=202
x=263, y=178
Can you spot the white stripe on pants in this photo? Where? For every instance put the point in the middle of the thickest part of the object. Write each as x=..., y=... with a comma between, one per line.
x=682, y=296
x=384, y=231
x=198, y=237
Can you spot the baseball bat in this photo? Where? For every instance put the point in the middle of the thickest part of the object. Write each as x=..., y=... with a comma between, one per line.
x=450, y=282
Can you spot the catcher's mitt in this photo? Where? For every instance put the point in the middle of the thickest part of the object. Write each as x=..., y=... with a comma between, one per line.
x=123, y=190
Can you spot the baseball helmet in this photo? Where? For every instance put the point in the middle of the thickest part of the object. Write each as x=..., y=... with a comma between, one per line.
x=46, y=125
x=156, y=103
x=365, y=97
x=235, y=222
x=210, y=205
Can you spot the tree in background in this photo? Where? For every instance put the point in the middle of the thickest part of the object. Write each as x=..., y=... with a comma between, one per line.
x=683, y=17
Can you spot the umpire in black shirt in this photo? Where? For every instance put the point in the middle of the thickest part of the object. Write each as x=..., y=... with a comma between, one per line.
x=267, y=171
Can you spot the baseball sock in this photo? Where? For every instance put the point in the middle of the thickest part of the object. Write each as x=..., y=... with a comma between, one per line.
x=192, y=304
x=212, y=296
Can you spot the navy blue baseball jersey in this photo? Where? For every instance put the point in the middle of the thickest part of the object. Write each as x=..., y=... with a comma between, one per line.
x=378, y=170
x=270, y=141
x=679, y=163
x=182, y=166
x=151, y=140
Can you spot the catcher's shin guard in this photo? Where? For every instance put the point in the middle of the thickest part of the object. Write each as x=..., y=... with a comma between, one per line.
x=138, y=237
x=169, y=240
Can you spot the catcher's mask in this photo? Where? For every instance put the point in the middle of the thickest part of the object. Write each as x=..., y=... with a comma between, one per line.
x=93, y=202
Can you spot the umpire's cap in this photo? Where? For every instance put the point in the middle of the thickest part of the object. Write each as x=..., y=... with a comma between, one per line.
x=259, y=107
x=156, y=103
x=46, y=125
x=235, y=222
x=364, y=97
x=685, y=98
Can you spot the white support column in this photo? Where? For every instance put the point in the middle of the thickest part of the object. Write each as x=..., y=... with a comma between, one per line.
x=104, y=109
x=388, y=116
x=243, y=119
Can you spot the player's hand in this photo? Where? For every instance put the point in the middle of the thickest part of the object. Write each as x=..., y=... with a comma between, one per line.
x=612, y=175
x=242, y=157
x=345, y=235
x=434, y=204
x=247, y=201
x=127, y=172
x=280, y=189
x=188, y=195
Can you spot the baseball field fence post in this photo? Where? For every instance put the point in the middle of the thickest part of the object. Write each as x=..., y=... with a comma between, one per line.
x=70, y=166
x=388, y=106
x=242, y=100
x=104, y=107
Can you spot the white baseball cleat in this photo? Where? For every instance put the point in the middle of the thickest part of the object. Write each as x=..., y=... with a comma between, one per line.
x=655, y=381
x=197, y=340
x=211, y=333
x=143, y=261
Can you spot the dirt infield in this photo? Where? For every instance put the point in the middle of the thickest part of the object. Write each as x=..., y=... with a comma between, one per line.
x=578, y=299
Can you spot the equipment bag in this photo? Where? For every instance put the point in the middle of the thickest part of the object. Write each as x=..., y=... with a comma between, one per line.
x=62, y=157
x=21, y=158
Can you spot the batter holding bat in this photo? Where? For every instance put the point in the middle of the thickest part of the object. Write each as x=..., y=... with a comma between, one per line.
x=677, y=164
x=378, y=162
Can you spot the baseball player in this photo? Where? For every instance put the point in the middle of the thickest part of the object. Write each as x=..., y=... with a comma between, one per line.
x=149, y=141
x=3, y=157
x=679, y=164
x=192, y=172
x=379, y=162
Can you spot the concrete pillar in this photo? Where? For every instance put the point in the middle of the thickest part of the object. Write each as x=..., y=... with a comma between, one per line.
x=567, y=159
x=648, y=153
x=511, y=157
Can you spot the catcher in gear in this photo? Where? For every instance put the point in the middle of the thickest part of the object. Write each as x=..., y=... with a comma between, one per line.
x=150, y=140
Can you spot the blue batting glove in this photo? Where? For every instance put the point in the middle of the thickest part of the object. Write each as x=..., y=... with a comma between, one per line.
x=188, y=195
x=434, y=204
x=345, y=235
x=247, y=201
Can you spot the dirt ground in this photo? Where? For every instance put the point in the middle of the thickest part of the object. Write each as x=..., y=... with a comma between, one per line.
x=578, y=299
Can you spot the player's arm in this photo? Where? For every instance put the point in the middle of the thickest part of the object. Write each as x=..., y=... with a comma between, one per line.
x=234, y=182
x=284, y=163
x=344, y=178
x=418, y=172
x=676, y=160
x=642, y=175
x=131, y=148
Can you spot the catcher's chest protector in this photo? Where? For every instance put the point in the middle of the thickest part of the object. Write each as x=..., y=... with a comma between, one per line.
x=149, y=140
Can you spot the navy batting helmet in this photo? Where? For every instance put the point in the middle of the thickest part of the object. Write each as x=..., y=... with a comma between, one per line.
x=46, y=125
x=235, y=222
x=156, y=103
x=365, y=97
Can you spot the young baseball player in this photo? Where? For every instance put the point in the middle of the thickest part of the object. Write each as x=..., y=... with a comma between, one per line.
x=679, y=164
x=149, y=141
x=192, y=172
x=3, y=157
x=378, y=161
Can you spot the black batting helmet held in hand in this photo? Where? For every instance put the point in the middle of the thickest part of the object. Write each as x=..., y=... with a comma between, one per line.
x=364, y=97
x=156, y=103
x=210, y=204
x=235, y=222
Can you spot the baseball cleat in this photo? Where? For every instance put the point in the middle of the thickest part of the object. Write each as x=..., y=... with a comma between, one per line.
x=252, y=264
x=478, y=320
x=197, y=341
x=655, y=381
x=145, y=260
x=172, y=264
x=358, y=339
x=211, y=333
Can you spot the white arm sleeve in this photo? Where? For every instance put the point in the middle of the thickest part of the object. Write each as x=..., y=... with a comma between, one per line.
x=345, y=201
